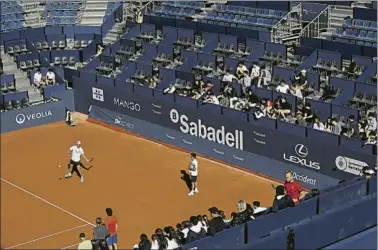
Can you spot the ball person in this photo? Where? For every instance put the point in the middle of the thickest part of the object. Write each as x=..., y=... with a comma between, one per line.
x=193, y=171
x=76, y=151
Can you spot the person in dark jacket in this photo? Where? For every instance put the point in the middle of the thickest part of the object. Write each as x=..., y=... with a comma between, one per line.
x=216, y=224
x=144, y=244
x=242, y=216
x=282, y=200
x=196, y=230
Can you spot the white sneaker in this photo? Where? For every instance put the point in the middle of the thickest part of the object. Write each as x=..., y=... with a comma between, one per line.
x=191, y=193
x=196, y=190
x=82, y=179
x=68, y=175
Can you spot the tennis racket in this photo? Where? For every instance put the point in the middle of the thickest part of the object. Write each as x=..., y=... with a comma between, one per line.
x=90, y=164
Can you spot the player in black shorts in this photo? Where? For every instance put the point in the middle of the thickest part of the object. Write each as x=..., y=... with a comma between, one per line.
x=76, y=152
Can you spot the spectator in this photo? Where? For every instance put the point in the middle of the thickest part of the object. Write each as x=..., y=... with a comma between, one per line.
x=367, y=172
x=204, y=221
x=372, y=123
x=328, y=125
x=155, y=242
x=253, y=101
x=296, y=90
x=100, y=232
x=100, y=48
x=301, y=79
x=371, y=139
x=351, y=127
x=283, y=107
x=196, y=231
x=172, y=238
x=255, y=72
x=228, y=77
x=211, y=98
x=265, y=77
x=305, y=115
x=50, y=77
x=352, y=69
x=314, y=192
x=240, y=70
x=38, y=79
x=144, y=244
x=185, y=228
x=245, y=82
x=242, y=215
x=84, y=244
x=180, y=233
x=250, y=211
x=163, y=243
x=335, y=126
x=217, y=223
x=293, y=188
x=257, y=209
x=111, y=223
x=281, y=200
x=318, y=125
x=283, y=87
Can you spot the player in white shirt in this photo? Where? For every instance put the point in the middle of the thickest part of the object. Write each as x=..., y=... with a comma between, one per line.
x=76, y=152
x=193, y=171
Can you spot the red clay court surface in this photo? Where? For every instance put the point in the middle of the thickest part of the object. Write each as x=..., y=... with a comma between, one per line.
x=139, y=179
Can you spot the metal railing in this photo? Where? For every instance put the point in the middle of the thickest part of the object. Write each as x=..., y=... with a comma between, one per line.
x=320, y=24
x=286, y=26
x=133, y=10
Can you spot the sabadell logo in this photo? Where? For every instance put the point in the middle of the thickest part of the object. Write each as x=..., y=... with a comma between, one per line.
x=21, y=118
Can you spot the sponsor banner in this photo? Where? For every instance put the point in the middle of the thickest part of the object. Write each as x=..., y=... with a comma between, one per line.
x=297, y=151
x=213, y=149
x=32, y=116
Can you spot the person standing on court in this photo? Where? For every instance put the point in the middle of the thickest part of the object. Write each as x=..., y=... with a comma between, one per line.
x=293, y=188
x=193, y=170
x=100, y=234
x=84, y=244
x=111, y=223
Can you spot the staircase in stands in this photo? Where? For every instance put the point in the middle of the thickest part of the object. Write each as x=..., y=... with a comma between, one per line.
x=94, y=12
x=22, y=81
x=337, y=15
x=33, y=13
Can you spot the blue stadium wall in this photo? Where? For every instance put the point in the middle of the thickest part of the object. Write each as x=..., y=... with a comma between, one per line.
x=244, y=144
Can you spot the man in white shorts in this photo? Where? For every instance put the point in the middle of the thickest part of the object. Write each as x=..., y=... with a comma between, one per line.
x=193, y=170
x=76, y=152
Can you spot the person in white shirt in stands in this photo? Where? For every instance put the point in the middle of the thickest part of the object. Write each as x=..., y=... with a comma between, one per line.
x=265, y=76
x=283, y=88
x=240, y=70
x=38, y=79
x=228, y=77
x=50, y=77
x=211, y=98
x=296, y=90
x=372, y=123
x=255, y=72
x=76, y=152
x=257, y=209
x=318, y=125
x=193, y=170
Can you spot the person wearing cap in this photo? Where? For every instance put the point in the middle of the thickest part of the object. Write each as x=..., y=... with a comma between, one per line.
x=216, y=224
x=100, y=234
x=76, y=151
x=84, y=244
x=302, y=78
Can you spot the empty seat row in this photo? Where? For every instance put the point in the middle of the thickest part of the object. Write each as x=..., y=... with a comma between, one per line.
x=63, y=6
x=12, y=10
x=242, y=19
x=62, y=13
x=354, y=41
x=321, y=63
x=247, y=26
x=250, y=11
x=54, y=45
x=11, y=17
x=60, y=20
x=15, y=104
x=176, y=11
x=29, y=64
x=359, y=34
x=12, y=25
x=17, y=49
x=64, y=61
x=7, y=87
x=361, y=23
x=8, y=3
x=81, y=43
x=191, y=4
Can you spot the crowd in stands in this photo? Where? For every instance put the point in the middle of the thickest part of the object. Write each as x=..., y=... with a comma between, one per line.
x=40, y=81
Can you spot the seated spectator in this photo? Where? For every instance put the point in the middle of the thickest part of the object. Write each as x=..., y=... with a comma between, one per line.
x=50, y=77
x=296, y=90
x=301, y=79
x=283, y=107
x=255, y=72
x=240, y=70
x=328, y=124
x=242, y=215
x=245, y=82
x=351, y=127
x=335, y=127
x=352, y=70
x=265, y=77
x=250, y=211
x=228, y=95
x=282, y=200
x=371, y=139
x=314, y=192
x=217, y=223
x=257, y=209
x=252, y=101
x=372, y=123
x=172, y=238
x=305, y=115
x=163, y=243
x=228, y=77
x=155, y=242
x=211, y=98
x=204, y=222
x=144, y=244
x=84, y=244
x=283, y=87
x=180, y=234
x=318, y=125
x=37, y=79
x=196, y=231
x=100, y=48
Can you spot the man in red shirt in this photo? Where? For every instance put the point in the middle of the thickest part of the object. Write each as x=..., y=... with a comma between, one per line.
x=112, y=224
x=294, y=188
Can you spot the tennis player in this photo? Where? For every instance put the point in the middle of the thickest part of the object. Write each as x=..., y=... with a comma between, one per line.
x=76, y=151
x=193, y=171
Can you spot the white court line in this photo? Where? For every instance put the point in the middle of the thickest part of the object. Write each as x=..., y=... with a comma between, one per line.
x=47, y=236
x=214, y=162
x=47, y=202
x=70, y=246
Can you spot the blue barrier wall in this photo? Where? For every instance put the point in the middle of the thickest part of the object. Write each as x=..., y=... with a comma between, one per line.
x=253, y=162
x=32, y=116
x=237, y=135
